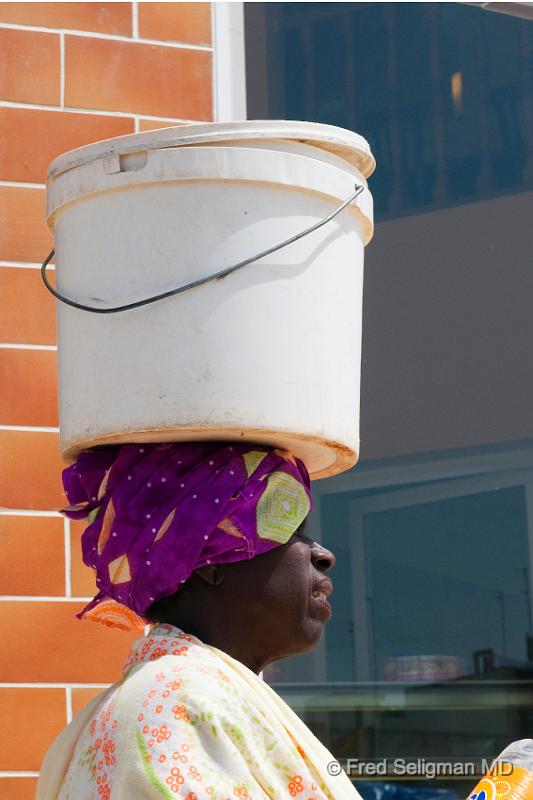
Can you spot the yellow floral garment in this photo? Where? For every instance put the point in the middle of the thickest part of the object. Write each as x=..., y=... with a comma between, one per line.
x=188, y=721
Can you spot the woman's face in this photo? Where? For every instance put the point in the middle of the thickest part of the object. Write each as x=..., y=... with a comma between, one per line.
x=282, y=595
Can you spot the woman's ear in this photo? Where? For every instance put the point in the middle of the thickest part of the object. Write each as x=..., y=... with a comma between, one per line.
x=211, y=574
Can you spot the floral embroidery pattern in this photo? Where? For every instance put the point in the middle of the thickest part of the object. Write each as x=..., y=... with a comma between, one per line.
x=175, y=779
x=99, y=755
x=295, y=786
x=196, y=737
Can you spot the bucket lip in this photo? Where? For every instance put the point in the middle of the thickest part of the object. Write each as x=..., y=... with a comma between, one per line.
x=344, y=143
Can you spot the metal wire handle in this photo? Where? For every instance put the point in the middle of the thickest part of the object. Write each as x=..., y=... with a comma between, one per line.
x=199, y=281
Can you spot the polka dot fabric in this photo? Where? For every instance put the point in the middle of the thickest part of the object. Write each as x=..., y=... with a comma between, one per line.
x=156, y=513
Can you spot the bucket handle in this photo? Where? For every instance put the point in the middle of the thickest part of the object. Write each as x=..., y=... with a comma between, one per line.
x=199, y=281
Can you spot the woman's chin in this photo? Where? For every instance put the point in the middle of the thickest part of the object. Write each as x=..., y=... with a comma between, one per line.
x=309, y=637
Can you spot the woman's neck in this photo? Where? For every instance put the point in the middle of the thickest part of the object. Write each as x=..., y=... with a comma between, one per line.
x=236, y=644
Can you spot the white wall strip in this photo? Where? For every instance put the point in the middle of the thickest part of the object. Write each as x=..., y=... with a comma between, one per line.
x=66, y=534
x=12, y=346
x=68, y=698
x=32, y=428
x=229, y=73
x=109, y=36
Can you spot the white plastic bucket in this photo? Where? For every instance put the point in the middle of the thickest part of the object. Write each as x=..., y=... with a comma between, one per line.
x=271, y=353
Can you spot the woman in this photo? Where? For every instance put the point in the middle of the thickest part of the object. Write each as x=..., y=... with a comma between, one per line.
x=206, y=541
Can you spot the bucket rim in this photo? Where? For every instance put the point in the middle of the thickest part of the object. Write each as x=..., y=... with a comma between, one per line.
x=346, y=144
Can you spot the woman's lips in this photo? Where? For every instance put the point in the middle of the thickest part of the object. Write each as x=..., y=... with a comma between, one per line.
x=320, y=596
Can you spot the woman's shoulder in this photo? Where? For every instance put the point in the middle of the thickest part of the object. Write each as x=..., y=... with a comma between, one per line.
x=178, y=673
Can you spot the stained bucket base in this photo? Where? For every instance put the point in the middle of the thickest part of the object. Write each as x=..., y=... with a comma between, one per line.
x=322, y=458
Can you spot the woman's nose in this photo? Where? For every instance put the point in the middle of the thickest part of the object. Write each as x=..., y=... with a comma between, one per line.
x=322, y=558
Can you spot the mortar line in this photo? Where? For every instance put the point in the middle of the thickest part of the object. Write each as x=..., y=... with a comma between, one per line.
x=17, y=346
x=135, y=19
x=68, y=570
x=30, y=428
x=23, y=184
x=113, y=37
x=94, y=111
x=62, y=70
x=68, y=698
x=28, y=512
x=50, y=685
x=24, y=265
x=26, y=598
x=18, y=774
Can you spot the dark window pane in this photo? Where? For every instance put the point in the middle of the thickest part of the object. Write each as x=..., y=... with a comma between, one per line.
x=442, y=91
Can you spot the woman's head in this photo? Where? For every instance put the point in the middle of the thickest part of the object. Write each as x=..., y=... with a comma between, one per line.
x=158, y=513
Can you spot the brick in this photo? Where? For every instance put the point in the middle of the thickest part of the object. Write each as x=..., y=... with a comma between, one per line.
x=155, y=124
x=30, y=470
x=17, y=788
x=100, y=17
x=29, y=388
x=81, y=697
x=139, y=78
x=27, y=309
x=189, y=23
x=82, y=579
x=32, y=138
x=28, y=741
x=23, y=235
x=45, y=642
x=32, y=551
x=29, y=67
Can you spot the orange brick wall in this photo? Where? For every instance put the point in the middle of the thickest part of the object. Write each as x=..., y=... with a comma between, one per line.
x=70, y=74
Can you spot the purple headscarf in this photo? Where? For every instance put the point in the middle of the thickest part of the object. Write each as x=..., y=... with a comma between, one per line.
x=157, y=512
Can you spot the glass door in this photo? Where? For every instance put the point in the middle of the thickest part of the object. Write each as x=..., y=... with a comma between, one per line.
x=428, y=656
x=441, y=570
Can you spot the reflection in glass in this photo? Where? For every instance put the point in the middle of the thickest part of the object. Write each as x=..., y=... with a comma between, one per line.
x=442, y=91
